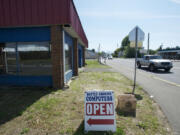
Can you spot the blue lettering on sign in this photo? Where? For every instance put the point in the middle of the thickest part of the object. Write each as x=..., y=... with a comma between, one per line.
x=99, y=96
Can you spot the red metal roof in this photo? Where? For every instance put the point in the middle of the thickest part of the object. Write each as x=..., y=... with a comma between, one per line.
x=18, y=13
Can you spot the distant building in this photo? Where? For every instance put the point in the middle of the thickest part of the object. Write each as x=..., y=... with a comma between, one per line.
x=89, y=54
x=120, y=53
x=170, y=54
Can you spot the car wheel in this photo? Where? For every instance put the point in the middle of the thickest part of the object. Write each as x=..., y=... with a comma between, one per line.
x=138, y=65
x=151, y=67
x=167, y=69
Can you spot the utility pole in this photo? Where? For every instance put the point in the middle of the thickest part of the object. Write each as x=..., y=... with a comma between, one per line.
x=148, y=43
x=99, y=53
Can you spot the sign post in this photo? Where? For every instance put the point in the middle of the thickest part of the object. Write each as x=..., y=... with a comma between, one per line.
x=136, y=35
x=136, y=42
x=99, y=110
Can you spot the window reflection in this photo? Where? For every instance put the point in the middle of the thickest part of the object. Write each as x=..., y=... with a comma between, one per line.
x=68, y=57
x=28, y=58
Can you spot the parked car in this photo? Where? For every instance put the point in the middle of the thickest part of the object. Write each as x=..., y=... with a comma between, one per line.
x=154, y=62
x=110, y=57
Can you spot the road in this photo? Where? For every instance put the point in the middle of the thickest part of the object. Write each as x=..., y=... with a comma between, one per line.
x=164, y=87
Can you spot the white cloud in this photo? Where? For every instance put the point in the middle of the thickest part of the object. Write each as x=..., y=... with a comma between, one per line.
x=176, y=1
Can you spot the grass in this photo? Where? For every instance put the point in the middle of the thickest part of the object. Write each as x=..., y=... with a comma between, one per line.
x=94, y=64
x=30, y=112
x=24, y=131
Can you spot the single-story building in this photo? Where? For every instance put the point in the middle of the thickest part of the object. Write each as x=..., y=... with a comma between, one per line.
x=170, y=54
x=89, y=54
x=42, y=42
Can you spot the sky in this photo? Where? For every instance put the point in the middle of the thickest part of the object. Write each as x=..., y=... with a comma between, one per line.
x=107, y=22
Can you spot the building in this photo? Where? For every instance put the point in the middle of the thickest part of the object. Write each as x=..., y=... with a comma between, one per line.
x=170, y=54
x=120, y=54
x=42, y=42
x=89, y=54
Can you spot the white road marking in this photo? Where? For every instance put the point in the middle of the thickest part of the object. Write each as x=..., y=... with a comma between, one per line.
x=169, y=82
x=152, y=76
x=163, y=80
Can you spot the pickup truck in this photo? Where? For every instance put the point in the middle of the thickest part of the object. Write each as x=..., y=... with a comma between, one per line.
x=154, y=62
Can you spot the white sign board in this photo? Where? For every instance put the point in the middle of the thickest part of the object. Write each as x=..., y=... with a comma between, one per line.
x=132, y=35
x=99, y=110
x=143, y=51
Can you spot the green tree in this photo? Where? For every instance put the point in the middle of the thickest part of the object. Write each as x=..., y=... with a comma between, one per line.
x=152, y=52
x=93, y=50
x=177, y=47
x=160, y=48
x=116, y=52
x=125, y=42
x=129, y=52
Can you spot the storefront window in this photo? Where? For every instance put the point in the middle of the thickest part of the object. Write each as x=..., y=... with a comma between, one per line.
x=28, y=58
x=68, y=57
x=9, y=59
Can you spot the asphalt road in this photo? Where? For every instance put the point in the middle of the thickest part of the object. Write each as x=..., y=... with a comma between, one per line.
x=164, y=87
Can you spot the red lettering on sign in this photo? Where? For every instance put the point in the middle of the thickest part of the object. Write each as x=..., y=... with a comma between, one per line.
x=99, y=109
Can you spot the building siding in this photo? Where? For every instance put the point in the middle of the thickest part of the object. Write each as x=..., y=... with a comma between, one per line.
x=34, y=34
x=13, y=80
x=21, y=13
x=33, y=12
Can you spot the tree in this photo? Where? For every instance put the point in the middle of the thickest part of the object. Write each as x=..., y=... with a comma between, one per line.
x=93, y=50
x=178, y=47
x=125, y=42
x=152, y=52
x=116, y=52
x=130, y=52
x=160, y=48
x=168, y=48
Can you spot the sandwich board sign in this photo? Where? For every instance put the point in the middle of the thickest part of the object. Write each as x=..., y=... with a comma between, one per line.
x=99, y=111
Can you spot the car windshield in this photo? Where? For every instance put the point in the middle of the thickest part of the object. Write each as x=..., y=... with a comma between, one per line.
x=155, y=57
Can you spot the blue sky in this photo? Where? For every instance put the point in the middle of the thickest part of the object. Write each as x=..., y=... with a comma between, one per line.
x=107, y=22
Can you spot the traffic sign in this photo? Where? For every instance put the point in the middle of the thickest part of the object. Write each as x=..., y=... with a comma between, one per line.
x=136, y=35
x=132, y=35
x=99, y=110
x=133, y=44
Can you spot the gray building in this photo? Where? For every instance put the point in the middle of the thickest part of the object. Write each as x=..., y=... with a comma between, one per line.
x=170, y=54
x=89, y=54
